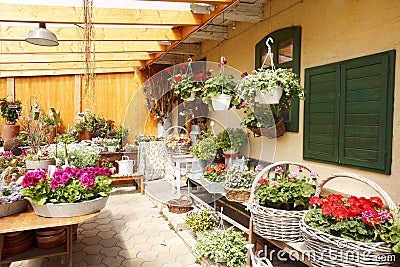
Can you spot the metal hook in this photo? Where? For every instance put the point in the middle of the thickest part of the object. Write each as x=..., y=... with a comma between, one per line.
x=267, y=43
x=190, y=60
x=222, y=59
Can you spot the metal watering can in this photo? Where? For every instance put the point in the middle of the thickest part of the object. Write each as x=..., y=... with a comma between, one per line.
x=125, y=166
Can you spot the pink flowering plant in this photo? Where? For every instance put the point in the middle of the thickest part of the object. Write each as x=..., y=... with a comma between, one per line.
x=68, y=185
x=287, y=189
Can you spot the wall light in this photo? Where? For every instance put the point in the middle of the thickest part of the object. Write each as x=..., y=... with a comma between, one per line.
x=200, y=8
x=41, y=36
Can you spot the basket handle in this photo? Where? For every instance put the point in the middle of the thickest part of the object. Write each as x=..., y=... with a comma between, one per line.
x=171, y=129
x=267, y=170
x=125, y=158
x=186, y=197
x=392, y=206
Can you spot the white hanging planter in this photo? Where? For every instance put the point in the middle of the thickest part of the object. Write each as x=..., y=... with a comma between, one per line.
x=192, y=96
x=221, y=102
x=269, y=97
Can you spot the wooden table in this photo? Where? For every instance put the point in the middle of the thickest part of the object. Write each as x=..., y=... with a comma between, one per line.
x=28, y=220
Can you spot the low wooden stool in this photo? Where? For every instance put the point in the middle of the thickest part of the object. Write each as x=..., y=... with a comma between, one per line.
x=127, y=179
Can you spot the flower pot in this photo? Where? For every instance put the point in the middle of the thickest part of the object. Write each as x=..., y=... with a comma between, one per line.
x=13, y=207
x=269, y=97
x=39, y=164
x=62, y=210
x=212, y=187
x=9, y=131
x=84, y=135
x=111, y=148
x=221, y=102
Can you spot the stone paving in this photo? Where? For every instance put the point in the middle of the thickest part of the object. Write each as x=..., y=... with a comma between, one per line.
x=129, y=232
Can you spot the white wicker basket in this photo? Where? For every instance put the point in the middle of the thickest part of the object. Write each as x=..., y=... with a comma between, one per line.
x=325, y=250
x=271, y=223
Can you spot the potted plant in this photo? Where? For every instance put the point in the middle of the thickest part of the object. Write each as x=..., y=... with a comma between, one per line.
x=11, y=199
x=261, y=122
x=201, y=220
x=76, y=155
x=231, y=140
x=50, y=123
x=238, y=181
x=178, y=143
x=223, y=246
x=10, y=111
x=188, y=85
x=286, y=190
x=204, y=150
x=219, y=91
x=69, y=192
x=213, y=178
x=112, y=144
x=358, y=226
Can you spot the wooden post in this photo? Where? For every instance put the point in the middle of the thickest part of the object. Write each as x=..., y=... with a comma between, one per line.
x=11, y=89
x=77, y=97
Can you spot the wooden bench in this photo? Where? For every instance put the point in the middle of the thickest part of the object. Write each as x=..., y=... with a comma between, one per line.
x=138, y=178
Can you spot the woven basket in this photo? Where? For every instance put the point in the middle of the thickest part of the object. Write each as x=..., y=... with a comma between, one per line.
x=276, y=224
x=180, y=205
x=326, y=250
x=237, y=194
x=271, y=132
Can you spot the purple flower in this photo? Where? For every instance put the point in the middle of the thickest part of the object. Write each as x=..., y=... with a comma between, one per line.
x=385, y=215
x=313, y=175
x=278, y=170
x=87, y=180
x=301, y=168
x=33, y=178
x=60, y=177
x=293, y=175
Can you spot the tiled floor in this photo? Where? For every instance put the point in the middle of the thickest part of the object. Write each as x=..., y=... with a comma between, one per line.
x=129, y=232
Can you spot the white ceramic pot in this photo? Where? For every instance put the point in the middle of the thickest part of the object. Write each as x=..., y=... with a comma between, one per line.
x=62, y=210
x=269, y=98
x=221, y=102
x=125, y=166
x=111, y=148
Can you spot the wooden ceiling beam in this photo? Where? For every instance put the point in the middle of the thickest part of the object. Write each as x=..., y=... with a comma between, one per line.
x=67, y=65
x=74, y=15
x=18, y=33
x=29, y=73
x=186, y=49
x=43, y=58
x=22, y=47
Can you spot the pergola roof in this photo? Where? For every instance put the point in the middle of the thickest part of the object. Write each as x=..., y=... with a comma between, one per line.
x=126, y=36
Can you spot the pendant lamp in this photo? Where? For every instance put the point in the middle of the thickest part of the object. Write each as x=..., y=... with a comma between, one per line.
x=42, y=36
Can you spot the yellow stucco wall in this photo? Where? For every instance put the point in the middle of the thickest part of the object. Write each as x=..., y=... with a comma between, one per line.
x=332, y=31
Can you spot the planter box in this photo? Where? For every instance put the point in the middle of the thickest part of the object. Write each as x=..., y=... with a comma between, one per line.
x=61, y=210
x=13, y=208
x=212, y=187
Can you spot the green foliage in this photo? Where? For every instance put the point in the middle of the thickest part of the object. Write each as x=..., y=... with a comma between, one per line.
x=205, y=149
x=94, y=123
x=239, y=177
x=391, y=234
x=349, y=228
x=10, y=110
x=67, y=138
x=261, y=118
x=201, y=220
x=79, y=156
x=231, y=139
x=185, y=84
x=266, y=80
x=229, y=245
x=285, y=190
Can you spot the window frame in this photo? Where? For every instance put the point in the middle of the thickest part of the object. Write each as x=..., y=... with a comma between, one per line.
x=278, y=36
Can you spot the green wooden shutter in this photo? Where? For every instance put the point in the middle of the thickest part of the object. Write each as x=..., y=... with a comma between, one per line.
x=321, y=125
x=363, y=111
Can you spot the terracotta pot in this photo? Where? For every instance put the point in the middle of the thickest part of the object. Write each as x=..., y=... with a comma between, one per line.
x=50, y=134
x=9, y=131
x=85, y=135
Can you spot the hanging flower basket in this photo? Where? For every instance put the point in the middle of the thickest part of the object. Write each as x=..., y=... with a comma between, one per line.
x=269, y=98
x=221, y=102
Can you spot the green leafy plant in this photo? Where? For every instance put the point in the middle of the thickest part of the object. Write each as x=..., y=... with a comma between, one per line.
x=185, y=82
x=261, y=117
x=201, y=220
x=112, y=142
x=239, y=177
x=94, y=123
x=229, y=245
x=286, y=187
x=266, y=80
x=355, y=218
x=66, y=138
x=79, y=156
x=205, y=149
x=10, y=110
x=231, y=139
x=69, y=185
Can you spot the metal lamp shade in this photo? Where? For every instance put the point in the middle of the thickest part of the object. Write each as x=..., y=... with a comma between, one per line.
x=41, y=36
